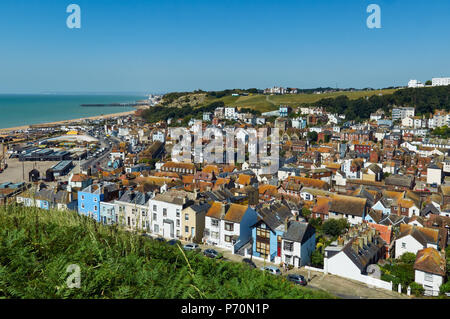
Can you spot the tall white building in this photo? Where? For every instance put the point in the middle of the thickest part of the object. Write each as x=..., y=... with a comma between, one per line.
x=415, y=84
x=440, y=81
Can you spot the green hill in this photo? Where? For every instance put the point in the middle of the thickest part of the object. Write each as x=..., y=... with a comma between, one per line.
x=37, y=246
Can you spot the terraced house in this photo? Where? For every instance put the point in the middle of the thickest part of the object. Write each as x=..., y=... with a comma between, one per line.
x=165, y=213
x=89, y=198
x=132, y=210
x=229, y=226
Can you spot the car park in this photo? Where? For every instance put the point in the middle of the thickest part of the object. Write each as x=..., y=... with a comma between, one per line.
x=297, y=279
x=272, y=270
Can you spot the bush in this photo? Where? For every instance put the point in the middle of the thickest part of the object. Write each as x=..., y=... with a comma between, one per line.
x=445, y=288
x=408, y=258
x=334, y=227
x=416, y=289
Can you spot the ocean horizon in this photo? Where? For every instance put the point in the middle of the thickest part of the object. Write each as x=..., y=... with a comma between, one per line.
x=26, y=109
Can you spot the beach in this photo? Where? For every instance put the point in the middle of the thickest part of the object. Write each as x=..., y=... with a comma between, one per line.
x=65, y=122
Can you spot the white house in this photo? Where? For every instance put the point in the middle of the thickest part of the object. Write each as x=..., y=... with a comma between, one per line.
x=226, y=225
x=165, y=213
x=429, y=270
x=298, y=243
x=412, y=239
x=434, y=175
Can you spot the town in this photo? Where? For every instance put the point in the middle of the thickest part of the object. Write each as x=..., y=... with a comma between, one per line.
x=356, y=200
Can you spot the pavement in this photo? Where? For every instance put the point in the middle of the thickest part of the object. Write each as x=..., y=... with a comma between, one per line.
x=340, y=287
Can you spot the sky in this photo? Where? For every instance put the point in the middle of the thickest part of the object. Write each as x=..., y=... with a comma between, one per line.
x=162, y=46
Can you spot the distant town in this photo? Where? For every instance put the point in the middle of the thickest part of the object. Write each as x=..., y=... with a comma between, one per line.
x=363, y=201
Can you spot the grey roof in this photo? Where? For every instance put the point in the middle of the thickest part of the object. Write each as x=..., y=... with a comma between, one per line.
x=400, y=180
x=393, y=220
x=365, y=255
x=273, y=215
x=200, y=207
x=134, y=197
x=429, y=209
x=299, y=232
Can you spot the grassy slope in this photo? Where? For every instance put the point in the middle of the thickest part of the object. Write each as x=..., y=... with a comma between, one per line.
x=37, y=246
x=265, y=103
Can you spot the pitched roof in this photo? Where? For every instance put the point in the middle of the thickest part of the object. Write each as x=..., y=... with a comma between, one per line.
x=429, y=260
x=423, y=235
x=299, y=232
x=348, y=205
x=274, y=214
x=235, y=213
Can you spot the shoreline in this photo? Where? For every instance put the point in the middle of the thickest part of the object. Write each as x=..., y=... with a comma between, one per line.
x=96, y=117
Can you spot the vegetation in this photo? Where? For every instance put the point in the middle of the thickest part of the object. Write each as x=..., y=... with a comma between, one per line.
x=424, y=100
x=442, y=132
x=400, y=271
x=37, y=246
x=335, y=227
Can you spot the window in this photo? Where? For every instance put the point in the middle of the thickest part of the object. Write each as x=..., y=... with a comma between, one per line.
x=154, y=217
x=154, y=208
x=178, y=233
x=178, y=213
x=95, y=199
x=82, y=206
x=428, y=277
x=165, y=212
x=229, y=226
x=128, y=220
x=228, y=239
x=82, y=197
x=288, y=259
x=263, y=248
x=215, y=235
x=143, y=213
x=186, y=229
x=263, y=233
x=186, y=217
x=215, y=222
x=156, y=229
x=95, y=208
x=178, y=223
x=403, y=245
x=288, y=246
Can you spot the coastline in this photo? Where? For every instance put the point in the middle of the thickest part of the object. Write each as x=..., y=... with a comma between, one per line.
x=97, y=117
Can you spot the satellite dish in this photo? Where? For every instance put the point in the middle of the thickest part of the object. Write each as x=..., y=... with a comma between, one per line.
x=374, y=271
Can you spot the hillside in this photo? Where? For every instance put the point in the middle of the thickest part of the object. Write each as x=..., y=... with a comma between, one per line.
x=264, y=103
x=37, y=246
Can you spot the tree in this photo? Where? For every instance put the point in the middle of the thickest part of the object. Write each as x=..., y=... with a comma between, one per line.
x=408, y=258
x=335, y=227
x=428, y=82
x=312, y=136
x=416, y=289
x=306, y=212
x=317, y=259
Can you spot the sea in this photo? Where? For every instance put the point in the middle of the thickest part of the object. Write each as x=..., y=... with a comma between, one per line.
x=18, y=110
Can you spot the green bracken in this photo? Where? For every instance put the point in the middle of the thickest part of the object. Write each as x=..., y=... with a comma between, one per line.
x=37, y=246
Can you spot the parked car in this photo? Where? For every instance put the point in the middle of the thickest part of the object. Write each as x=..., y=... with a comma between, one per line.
x=191, y=246
x=211, y=253
x=249, y=262
x=160, y=239
x=272, y=270
x=173, y=242
x=297, y=279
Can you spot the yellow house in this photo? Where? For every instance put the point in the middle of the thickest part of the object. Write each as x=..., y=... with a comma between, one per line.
x=193, y=222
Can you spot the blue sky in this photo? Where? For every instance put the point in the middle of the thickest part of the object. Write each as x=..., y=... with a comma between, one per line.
x=160, y=46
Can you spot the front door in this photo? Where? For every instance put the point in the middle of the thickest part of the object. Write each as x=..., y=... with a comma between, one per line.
x=167, y=231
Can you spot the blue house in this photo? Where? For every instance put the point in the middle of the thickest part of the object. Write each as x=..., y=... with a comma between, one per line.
x=108, y=214
x=268, y=231
x=89, y=198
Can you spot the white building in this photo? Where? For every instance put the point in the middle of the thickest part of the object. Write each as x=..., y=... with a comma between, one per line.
x=228, y=224
x=415, y=84
x=399, y=113
x=165, y=213
x=434, y=175
x=231, y=113
x=159, y=136
x=440, y=81
x=413, y=238
x=429, y=270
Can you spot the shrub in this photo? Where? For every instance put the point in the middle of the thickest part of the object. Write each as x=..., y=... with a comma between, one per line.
x=416, y=289
x=408, y=258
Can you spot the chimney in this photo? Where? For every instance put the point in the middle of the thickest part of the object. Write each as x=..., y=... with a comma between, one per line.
x=223, y=210
x=361, y=242
x=355, y=246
